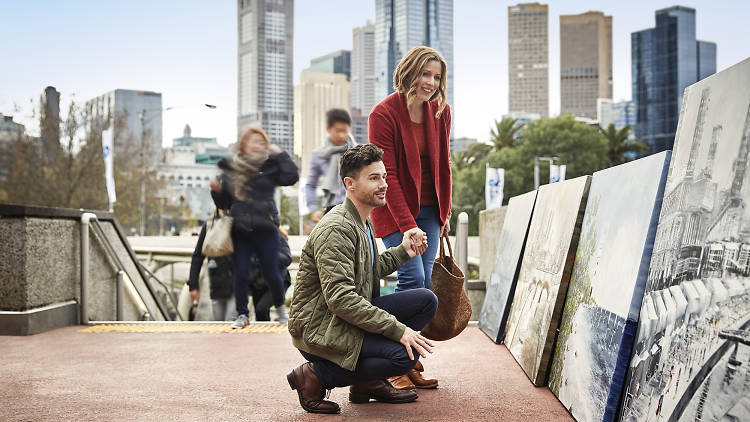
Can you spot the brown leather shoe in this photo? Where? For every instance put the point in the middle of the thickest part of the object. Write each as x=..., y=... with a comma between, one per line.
x=419, y=381
x=309, y=390
x=401, y=382
x=381, y=391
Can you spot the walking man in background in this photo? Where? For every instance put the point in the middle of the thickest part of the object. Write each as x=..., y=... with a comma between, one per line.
x=325, y=163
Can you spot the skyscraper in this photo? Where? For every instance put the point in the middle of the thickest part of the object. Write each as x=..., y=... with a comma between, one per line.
x=585, y=62
x=50, y=123
x=136, y=116
x=528, y=58
x=363, y=80
x=620, y=114
x=336, y=62
x=315, y=94
x=401, y=25
x=265, y=87
x=665, y=60
x=363, y=68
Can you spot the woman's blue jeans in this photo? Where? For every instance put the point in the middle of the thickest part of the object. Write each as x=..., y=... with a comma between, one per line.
x=264, y=244
x=417, y=272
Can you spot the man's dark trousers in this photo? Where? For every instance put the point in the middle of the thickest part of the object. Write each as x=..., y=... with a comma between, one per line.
x=381, y=357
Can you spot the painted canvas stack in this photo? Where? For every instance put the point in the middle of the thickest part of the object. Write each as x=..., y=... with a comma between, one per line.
x=628, y=292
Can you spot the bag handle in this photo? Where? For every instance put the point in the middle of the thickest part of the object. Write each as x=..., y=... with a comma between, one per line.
x=445, y=237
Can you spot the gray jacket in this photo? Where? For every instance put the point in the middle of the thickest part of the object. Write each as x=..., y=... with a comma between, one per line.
x=318, y=169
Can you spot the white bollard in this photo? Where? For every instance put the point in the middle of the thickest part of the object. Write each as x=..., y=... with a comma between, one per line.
x=462, y=243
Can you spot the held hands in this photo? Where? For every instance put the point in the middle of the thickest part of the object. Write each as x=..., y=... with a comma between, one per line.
x=415, y=242
x=411, y=338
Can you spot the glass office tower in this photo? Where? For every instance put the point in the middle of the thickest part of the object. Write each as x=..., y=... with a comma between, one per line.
x=665, y=60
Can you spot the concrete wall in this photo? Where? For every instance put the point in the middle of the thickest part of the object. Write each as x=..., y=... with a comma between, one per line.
x=490, y=226
x=40, y=258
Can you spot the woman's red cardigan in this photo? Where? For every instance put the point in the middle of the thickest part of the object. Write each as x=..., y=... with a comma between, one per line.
x=390, y=129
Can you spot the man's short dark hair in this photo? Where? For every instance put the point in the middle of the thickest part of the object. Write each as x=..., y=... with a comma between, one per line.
x=336, y=115
x=357, y=157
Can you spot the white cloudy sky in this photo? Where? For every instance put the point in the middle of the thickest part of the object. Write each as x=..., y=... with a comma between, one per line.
x=187, y=50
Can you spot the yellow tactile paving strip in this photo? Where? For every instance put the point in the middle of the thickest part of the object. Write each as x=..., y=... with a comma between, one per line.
x=184, y=328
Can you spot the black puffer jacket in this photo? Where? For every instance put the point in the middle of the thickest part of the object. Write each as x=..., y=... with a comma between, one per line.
x=258, y=213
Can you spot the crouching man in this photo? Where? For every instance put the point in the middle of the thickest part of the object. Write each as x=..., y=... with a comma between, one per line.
x=349, y=334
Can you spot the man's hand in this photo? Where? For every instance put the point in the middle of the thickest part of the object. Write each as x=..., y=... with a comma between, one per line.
x=195, y=295
x=413, y=339
x=414, y=241
x=315, y=216
x=274, y=149
x=215, y=186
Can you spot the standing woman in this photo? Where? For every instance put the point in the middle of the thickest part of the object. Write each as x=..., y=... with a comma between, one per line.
x=412, y=127
x=248, y=183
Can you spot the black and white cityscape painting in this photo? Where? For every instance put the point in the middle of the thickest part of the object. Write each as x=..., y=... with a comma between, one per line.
x=691, y=359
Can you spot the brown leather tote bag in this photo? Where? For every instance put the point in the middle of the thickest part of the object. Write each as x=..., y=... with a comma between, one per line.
x=454, y=307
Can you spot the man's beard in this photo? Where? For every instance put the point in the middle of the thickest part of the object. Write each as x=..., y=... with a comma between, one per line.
x=375, y=201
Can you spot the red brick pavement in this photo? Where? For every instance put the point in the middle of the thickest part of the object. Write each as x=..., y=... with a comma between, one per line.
x=69, y=375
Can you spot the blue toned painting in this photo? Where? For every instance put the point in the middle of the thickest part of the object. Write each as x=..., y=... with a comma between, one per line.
x=502, y=283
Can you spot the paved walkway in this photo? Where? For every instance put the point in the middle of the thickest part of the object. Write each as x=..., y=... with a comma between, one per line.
x=68, y=374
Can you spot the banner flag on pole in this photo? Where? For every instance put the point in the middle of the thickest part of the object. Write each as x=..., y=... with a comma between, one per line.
x=109, y=175
x=556, y=173
x=493, y=187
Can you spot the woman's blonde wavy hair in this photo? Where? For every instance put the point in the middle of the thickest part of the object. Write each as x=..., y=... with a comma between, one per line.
x=410, y=68
x=246, y=137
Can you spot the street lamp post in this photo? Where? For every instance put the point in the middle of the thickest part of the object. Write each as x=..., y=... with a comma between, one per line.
x=142, y=205
x=536, y=168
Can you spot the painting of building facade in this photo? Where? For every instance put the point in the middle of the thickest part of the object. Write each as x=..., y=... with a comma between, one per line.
x=502, y=283
x=604, y=297
x=691, y=359
x=545, y=271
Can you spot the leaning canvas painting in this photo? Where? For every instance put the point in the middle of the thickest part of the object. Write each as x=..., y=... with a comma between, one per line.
x=502, y=283
x=606, y=289
x=690, y=360
x=545, y=271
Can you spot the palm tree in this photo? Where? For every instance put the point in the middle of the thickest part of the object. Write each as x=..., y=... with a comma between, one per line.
x=504, y=133
x=619, y=144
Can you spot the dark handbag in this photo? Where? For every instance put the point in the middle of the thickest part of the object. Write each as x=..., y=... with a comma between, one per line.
x=454, y=308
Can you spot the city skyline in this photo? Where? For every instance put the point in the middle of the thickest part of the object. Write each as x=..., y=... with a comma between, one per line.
x=195, y=60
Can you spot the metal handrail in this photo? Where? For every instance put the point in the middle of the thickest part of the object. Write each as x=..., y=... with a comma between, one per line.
x=92, y=220
x=170, y=293
x=120, y=266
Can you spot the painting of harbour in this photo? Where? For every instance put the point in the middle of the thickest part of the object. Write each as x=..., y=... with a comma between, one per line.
x=606, y=289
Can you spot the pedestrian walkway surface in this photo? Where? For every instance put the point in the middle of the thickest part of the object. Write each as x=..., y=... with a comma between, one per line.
x=82, y=373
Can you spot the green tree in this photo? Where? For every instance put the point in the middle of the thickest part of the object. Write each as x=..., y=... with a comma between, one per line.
x=619, y=144
x=579, y=146
x=54, y=172
x=505, y=133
